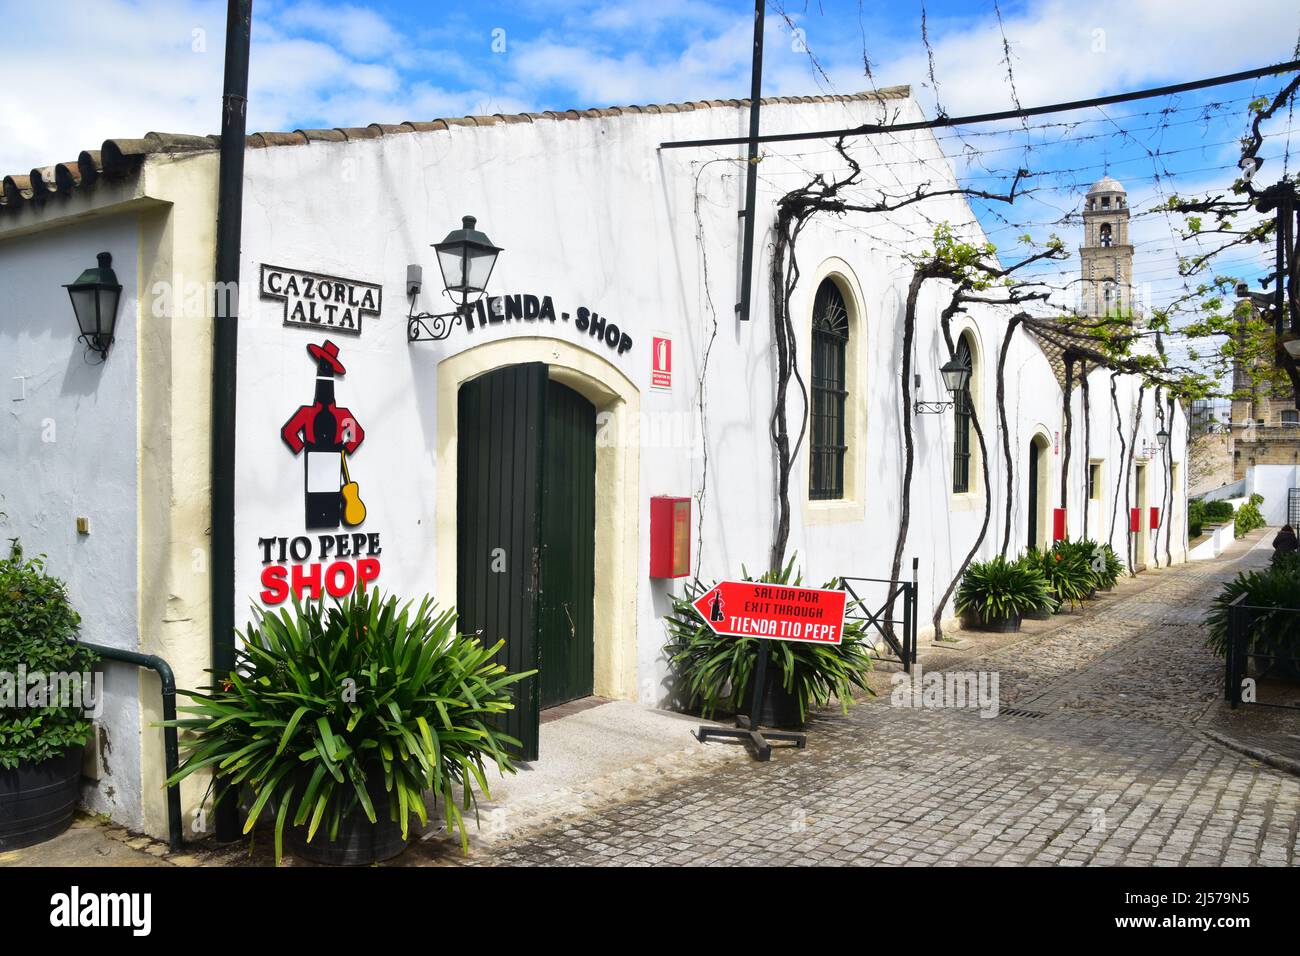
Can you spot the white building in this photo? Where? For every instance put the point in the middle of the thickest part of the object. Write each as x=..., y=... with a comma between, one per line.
x=535, y=431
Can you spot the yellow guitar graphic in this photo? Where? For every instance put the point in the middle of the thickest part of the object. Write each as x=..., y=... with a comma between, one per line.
x=354, y=510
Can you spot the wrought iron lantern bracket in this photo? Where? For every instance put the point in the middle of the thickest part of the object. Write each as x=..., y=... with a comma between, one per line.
x=431, y=326
x=931, y=408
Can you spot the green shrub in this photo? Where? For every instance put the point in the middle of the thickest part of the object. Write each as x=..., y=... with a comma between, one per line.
x=1068, y=571
x=325, y=699
x=1034, y=561
x=1217, y=511
x=715, y=670
x=1276, y=590
x=1194, y=527
x=1249, y=517
x=38, y=632
x=997, y=589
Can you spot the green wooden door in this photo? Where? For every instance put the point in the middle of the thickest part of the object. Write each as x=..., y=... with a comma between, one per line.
x=568, y=535
x=525, y=534
x=499, y=493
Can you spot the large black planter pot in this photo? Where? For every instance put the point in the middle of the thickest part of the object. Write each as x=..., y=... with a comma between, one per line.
x=359, y=842
x=38, y=801
x=780, y=707
x=1042, y=614
x=1000, y=625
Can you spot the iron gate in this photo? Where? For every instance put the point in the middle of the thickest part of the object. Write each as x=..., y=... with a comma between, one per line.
x=1293, y=507
x=898, y=633
x=1246, y=626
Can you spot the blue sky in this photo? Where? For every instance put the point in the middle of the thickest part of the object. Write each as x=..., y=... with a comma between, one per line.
x=71, y=78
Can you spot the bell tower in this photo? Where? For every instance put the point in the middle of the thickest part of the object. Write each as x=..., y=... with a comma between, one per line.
x=1106, y=257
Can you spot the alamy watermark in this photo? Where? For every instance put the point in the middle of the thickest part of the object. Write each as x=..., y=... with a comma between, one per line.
x=39, y=689
x=973, y=690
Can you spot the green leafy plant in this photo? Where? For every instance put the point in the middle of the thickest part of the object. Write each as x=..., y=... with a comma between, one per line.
x=1273, y=594
x=1068, y=570
x=1112, y=566
x=1102, y=563
x=716, y=670
x=1249, y=517
x=997, y=589
x=38, y=633
x=1216, y=511
x=327, y=699
x=1034, y=561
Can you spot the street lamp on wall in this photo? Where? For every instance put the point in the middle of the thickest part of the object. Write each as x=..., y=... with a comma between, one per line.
x=466, y=259
x=95, y=297
x=1162, y=439
x=956, y=376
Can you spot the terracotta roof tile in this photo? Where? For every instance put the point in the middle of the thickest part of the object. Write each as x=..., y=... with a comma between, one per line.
x=121, y=158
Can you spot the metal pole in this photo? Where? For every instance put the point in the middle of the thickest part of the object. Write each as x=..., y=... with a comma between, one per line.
x=1279, y=293
x=225, y=345
x=760, y=688
x=751, y=167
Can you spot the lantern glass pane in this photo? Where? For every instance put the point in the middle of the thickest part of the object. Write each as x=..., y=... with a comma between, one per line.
x=108, y=299
x=481, y=262
x=451, y=262
x=83, y=304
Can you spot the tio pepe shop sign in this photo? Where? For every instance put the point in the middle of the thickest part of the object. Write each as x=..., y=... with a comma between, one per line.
x=774, y=612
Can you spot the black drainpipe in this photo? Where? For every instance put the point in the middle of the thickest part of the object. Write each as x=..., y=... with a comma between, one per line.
x=175, y=834
x=225, y=342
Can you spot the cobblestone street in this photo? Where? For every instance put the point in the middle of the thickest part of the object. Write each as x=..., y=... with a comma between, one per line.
x=1106, y=765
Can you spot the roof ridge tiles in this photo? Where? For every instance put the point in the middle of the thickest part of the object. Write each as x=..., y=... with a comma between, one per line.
x=120, y=158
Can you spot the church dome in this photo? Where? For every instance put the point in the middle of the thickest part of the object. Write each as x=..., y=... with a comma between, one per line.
x=1106, y=185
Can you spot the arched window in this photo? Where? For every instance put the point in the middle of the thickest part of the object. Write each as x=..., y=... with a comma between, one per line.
x=830, y=340
x=1106, y=237
x=961, y=414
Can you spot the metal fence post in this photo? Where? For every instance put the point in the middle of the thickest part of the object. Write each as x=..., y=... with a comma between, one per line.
x=908, y=595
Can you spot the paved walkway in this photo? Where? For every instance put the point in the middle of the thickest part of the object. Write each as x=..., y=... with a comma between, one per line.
x=1105, y=751
x=1108, y=765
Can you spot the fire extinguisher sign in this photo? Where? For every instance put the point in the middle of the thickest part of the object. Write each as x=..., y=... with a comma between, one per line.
x=774, y=612
x=661, y=362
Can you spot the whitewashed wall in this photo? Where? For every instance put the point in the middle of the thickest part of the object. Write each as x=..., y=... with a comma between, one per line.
x=70, y=449
x=591, y=213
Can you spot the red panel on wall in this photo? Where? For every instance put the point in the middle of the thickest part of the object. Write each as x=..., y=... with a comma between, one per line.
x=670, y=537
x=1058, y=524
x=1155, y=518
x=1135, y=519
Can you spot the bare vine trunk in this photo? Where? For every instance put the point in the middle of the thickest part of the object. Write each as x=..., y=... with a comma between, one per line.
x=988, y=499
x=1119, y=430
x=1006, y=432
x=905, y=417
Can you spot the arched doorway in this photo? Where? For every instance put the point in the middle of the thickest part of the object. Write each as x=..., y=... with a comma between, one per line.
x=1037, y=496
x=525, y=523
x=617, y=405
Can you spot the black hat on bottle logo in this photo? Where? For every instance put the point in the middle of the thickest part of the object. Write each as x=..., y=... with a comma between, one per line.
x=327, y=358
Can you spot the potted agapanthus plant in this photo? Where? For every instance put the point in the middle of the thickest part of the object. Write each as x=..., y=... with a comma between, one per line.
x=339, y=718
x=994, y=595
x=715, y=673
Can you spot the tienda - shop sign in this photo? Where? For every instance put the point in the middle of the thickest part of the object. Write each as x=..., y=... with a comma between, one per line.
x=774, y=612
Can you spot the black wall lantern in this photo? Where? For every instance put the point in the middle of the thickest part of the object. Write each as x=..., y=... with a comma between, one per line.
x=956, y=376
x=466, y=258
x=95, y=297
x=1162, y=438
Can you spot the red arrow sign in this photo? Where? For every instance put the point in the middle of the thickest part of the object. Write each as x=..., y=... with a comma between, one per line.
x=774, y=612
